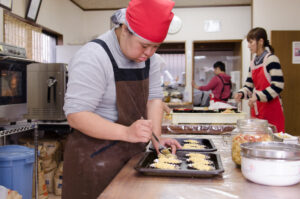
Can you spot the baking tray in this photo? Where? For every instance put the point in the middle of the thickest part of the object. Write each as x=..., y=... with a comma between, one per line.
x=143, y=166
x=208, y=143
x=188, y=110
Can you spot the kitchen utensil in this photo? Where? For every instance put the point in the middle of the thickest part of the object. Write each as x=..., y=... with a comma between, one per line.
x=271, y=163
x=249, y=130
x=162, y=149
x=255, y=108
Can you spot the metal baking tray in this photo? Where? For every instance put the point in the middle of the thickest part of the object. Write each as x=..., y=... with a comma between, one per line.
x=195, y=110
x=189, y=110
x=143, y=166
x=208, y=143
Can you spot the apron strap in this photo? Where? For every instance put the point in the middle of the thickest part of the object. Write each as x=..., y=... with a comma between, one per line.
x=125, y=74
x=224, y=84
x=104, y=45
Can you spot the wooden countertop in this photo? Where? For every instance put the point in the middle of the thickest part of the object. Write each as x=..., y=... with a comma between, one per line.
x=231, y=185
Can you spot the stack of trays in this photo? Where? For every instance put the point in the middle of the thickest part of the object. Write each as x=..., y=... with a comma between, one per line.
x=185, y=167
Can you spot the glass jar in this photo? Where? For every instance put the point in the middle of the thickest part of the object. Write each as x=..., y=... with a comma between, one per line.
x=249, y=130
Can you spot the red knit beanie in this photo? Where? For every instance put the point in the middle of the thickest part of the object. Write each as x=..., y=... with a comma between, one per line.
x=150, y=19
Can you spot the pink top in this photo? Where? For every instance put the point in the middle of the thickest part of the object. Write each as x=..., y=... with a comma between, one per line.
x=216, y=86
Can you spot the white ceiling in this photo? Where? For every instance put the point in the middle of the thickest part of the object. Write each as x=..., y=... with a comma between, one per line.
x=88, y=5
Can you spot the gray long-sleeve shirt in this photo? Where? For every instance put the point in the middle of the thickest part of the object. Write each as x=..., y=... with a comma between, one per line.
x=91, y=84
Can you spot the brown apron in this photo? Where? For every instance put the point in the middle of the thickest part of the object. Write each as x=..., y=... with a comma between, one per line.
x=90, y=164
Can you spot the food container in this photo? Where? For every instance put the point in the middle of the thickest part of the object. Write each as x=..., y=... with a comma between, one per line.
x=271, y=163
x=249, y=130
x=286, y=138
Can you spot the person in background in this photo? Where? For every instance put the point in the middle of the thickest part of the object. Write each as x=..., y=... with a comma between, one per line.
x=113, y=99
x=264, y=82
x=220, y=84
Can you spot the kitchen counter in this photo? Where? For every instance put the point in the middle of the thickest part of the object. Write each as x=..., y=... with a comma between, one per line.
x=131, y=184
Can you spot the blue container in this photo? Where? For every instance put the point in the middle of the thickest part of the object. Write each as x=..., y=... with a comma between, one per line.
x=16, y=168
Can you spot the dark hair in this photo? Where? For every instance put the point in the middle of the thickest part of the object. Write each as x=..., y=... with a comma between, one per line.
x=220, y=65
x=260, y=33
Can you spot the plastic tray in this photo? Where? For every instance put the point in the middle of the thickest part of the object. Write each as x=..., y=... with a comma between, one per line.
x=143, y=166
x=208, y=143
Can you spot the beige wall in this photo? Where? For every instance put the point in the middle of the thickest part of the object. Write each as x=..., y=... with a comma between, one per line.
x=1, y=25
x=193, y=29
x=63, y=17
x=78, y=27
x=276, y=14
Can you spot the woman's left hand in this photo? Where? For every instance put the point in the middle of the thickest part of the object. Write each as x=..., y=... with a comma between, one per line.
x=252, y=100
x=169, y=142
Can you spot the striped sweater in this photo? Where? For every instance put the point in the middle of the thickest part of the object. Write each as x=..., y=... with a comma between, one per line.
x=276, y=85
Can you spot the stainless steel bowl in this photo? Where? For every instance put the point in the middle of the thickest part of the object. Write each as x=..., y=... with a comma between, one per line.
x=271, y=150
x=271, y=163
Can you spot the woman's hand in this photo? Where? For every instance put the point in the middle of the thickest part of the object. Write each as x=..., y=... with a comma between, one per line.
x=167, y=142
x=252, y=100
x=238, y=97
x=139, y=131
x=194, y=85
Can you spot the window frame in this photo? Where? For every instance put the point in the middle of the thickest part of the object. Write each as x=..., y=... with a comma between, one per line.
x=7, y=5
x=44, y=30
x=33, y=4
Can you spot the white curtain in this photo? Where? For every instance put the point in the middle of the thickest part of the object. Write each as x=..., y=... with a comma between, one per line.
x=39, y=47
x=175, y=65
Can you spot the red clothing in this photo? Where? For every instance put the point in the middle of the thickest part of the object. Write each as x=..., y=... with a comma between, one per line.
x=216, y=85
x=271, y=110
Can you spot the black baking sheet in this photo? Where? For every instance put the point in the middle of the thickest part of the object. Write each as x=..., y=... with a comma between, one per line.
x=208, y=143
x=143, y=166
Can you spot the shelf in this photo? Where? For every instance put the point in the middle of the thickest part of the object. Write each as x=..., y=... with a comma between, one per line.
x=18, y=128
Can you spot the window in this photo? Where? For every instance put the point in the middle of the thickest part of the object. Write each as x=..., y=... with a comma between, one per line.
x=39, y=46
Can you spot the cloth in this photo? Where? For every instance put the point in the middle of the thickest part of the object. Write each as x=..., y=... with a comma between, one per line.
x=273, y=72
x=220, y=105
x=90, y=164
x=216, y=85
x=160, y=12
x=271, y=110
x=91, y=83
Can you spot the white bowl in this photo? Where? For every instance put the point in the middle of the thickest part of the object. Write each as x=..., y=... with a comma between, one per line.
x=271, y=163
x=271, y=172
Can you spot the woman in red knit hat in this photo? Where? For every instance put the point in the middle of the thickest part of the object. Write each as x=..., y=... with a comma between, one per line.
x=113, y=100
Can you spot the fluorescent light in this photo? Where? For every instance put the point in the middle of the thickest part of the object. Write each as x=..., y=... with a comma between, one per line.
x=199, y=57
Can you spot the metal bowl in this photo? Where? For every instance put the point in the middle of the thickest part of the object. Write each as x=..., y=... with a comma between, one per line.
x=271, y=163
x=271, y=150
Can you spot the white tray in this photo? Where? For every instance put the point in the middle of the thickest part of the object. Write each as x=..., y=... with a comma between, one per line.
x=191, y=118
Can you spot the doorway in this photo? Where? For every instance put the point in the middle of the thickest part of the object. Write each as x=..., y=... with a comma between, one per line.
x=205, y=54
x=282, y=42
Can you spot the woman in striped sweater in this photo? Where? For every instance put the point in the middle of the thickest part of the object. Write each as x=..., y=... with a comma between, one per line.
x=264, y=82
